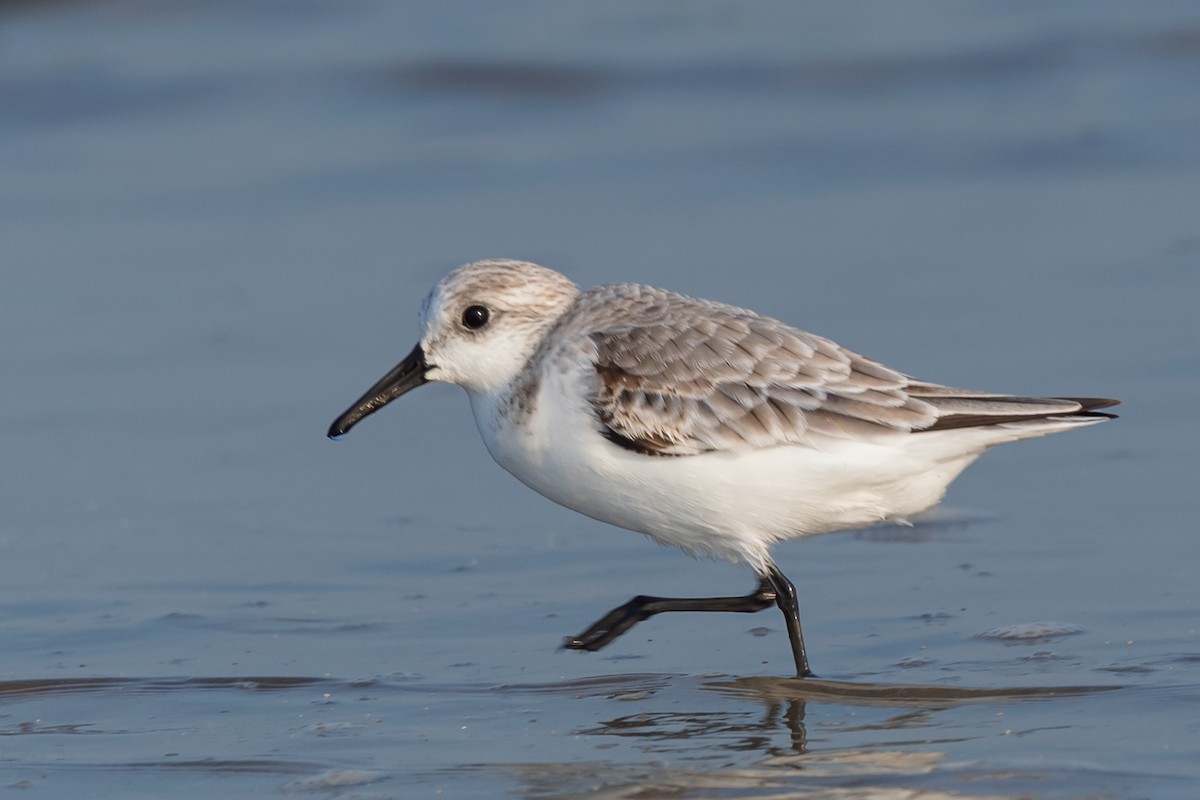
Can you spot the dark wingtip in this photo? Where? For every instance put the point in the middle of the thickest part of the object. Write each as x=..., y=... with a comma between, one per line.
x=1092, y=403
x=1087, y=410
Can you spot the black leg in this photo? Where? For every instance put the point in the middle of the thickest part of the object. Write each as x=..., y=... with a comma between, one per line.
x=785, y=598
x=621, y=619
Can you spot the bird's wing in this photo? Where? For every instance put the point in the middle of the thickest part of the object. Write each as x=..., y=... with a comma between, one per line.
x=679, y=376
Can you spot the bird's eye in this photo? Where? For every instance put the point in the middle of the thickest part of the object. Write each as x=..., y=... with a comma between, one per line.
x=475, y=317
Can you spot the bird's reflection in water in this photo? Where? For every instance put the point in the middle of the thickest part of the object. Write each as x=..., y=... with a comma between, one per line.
x=737, y=731
x=810, y=738
x=785, y=703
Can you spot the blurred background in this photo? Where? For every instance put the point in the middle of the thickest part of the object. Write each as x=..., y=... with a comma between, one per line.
x=217, y=223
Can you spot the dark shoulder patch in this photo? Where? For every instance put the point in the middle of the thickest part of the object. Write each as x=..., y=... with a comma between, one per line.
x=649, y=446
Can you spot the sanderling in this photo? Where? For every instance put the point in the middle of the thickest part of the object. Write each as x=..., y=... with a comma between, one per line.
x=701, y=425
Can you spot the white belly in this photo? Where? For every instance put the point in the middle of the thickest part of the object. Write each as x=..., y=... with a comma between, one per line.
x=731, y=505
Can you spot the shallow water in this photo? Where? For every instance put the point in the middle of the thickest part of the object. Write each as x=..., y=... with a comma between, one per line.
x=216, y=224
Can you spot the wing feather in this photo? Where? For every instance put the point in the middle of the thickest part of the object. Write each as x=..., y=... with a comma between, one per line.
x=680, y=376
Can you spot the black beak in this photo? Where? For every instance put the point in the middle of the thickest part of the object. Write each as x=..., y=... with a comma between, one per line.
x=407, y=375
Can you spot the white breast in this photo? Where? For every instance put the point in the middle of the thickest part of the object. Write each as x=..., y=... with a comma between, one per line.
x=731, y=505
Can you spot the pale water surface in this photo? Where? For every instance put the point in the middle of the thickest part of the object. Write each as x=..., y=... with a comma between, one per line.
x=217, y=220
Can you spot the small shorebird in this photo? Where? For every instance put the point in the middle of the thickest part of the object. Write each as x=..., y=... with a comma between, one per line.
x=701, y=425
